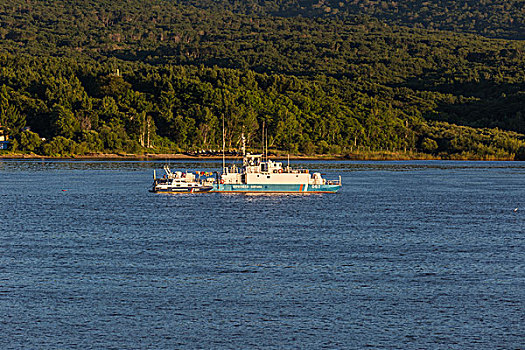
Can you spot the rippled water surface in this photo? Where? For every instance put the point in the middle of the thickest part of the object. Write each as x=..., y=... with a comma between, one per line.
x=409, y=255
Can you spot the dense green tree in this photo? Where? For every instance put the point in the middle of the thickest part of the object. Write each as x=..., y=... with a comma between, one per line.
x=64, y=122
x=29, y=141
x=10, y=117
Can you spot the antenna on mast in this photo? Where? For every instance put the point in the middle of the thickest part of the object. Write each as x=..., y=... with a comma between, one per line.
x=243, y=144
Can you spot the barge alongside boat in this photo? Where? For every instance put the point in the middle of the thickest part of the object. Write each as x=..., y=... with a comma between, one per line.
x=180, y=182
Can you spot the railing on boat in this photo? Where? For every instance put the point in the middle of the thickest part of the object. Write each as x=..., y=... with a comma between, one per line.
x=333, y=182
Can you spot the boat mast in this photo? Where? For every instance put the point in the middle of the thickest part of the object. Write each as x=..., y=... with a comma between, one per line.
x=262, y=140
x=243, y=145
x=223, y=145
x=266, y=144
x=244, y=162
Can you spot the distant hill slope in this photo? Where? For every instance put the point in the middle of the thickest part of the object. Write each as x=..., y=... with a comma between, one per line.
x=490, y=18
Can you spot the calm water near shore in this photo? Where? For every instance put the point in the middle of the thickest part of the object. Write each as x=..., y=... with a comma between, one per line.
x=409, y=255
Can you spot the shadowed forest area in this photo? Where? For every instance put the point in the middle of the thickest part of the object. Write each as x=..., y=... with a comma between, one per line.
x=334, y=78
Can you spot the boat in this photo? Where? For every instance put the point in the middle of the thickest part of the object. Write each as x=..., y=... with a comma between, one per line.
x=181, y=182
x=260, y=174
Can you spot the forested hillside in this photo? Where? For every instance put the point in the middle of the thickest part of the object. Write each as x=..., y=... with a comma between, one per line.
x=323, y=82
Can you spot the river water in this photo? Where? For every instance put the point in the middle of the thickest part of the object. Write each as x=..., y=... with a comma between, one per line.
x=408, y=255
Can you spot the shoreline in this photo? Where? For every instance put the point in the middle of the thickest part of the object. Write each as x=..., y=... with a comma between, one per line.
x=373, y=156
x=158, y=157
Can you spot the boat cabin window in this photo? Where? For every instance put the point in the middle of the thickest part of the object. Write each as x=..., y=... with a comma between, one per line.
x=268, y=176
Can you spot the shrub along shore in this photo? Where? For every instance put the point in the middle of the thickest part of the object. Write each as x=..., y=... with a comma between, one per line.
x=357, y=156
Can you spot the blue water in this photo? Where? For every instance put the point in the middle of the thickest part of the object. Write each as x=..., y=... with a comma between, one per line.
x=409, y=255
